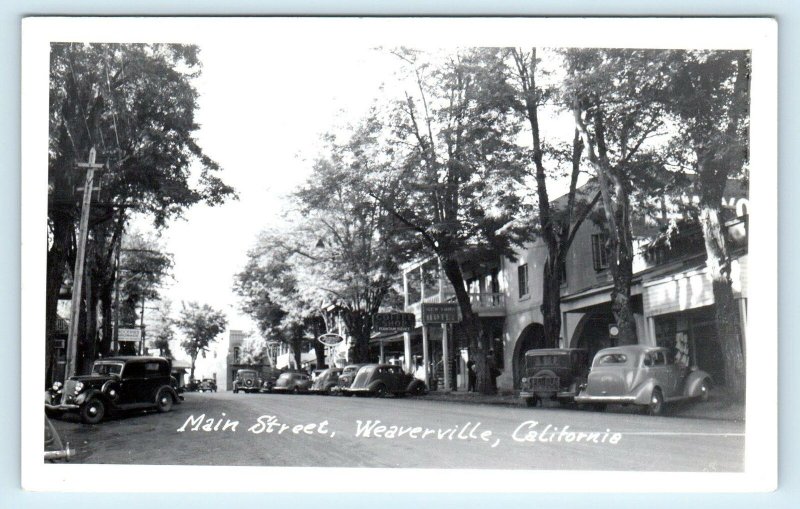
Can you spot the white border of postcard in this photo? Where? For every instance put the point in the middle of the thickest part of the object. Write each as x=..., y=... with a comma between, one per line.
x=758, y=35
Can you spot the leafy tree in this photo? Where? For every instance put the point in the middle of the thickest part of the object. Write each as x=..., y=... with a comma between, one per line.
x=134, y=103
x=616, y=97
x=557, y=226
x=163, y=330
x=454, y=169
x=271, y=297
x=709, y=95
x=201, y=325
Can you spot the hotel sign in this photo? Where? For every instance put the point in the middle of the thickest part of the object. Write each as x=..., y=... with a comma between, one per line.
x=440, y=313
x=129, y=335
x=394, y=322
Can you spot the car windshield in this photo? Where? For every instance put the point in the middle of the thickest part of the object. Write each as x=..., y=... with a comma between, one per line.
x=536, y=361
x=107, y=368
x=368, y=369
x=285, y=376
x=611, y=358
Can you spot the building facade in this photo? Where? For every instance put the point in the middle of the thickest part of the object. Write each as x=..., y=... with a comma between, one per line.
x=671, y=291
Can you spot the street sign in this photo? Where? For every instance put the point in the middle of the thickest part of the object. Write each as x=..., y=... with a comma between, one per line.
x=440, y=313
x=330, y=339
x=394, y=322
x=129, y=335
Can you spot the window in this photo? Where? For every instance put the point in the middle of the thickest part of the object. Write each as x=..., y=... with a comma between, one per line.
x=236, y=355
x=600, y=251
x=522, y=277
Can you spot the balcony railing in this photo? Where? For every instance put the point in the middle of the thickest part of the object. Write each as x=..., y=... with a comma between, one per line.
x=483, y=303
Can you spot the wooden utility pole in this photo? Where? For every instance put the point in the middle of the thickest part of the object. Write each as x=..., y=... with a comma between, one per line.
x=77, y=281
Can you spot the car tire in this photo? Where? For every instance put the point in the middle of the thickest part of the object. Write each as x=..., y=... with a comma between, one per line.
x=530, y=402
x=93, y=411
x=656, y=405
x=296, y=389
x=704, y=387
x=164, y=401
x=417, y=389
x=380, y=391
x=599, y=407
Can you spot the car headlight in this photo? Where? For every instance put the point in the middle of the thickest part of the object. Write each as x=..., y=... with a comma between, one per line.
x=78, y=387
x=525, y=380
x=57, y=386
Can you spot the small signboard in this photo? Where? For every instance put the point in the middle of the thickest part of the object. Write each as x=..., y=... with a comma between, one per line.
x=440, y=313
x=394, y=322
x=330, y=339
x=129, y=335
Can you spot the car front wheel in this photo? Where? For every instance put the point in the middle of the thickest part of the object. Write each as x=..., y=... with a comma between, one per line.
x=380, y=391
x=656, y=406
x=93, y=411
x=704, y=387
x=164, y=401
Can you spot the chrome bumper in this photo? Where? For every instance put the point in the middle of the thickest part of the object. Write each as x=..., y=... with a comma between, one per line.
x=63, y=407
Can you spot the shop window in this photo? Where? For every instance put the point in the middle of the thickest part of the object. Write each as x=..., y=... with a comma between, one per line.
x=237, y=353
x=600, y=251
x=522, y=278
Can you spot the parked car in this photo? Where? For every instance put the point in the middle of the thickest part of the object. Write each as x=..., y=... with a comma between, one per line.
x=315, y=374
x=193, y=386
x=247, y=380
x=382, y=379
x=55, y=449
x=269, y=376
x=642, y=375
x=326, y=381
x=346, y=378
x=208, y=385
x=292, y=382
x=116, y=383
x=553, y=373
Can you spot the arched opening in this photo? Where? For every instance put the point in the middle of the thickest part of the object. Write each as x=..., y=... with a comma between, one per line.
x=591, y=333
x=531, y=337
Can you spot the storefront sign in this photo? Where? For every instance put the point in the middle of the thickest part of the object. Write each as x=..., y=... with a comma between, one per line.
x=394, y=322
x=330, y=339
x=129, y=335
x=440, y=313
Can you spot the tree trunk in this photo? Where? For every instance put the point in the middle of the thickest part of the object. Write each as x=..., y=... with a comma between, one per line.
x=478, y=342
x=191, y=372
x=551, y=302
x=57, y=257
x=718, y=263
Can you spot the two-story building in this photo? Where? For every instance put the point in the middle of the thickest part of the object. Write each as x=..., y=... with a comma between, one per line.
x=671, y=292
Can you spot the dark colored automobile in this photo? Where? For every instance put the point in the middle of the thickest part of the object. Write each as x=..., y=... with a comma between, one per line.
x=269, y=377
x=55, y=449
x=647, y=376
x=208, y=385
x=553, y=373
x=247, y=380
x=326, y=381
x=116, y=383
x=292, y=382
x=382, y=379
x=346, y=378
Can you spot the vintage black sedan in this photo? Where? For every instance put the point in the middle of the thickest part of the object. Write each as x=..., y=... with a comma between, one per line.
x=292, y=382
x=247, y=380
x=553, y=373
x=346, y=378
x=116, y=383
x=641, y=375
x=382, y=379
x=326, y=381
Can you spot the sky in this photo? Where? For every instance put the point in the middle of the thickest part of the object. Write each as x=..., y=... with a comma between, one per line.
x=261, y=117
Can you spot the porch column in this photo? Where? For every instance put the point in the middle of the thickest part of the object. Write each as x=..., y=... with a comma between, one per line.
x=651, y=331
x=446, y=356
x=407, y=351
x=382, y=358
x=425, y=356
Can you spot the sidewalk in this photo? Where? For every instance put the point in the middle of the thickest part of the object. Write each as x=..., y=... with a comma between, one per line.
x=717, y=407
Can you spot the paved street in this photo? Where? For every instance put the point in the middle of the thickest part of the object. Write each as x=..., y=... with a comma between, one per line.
x=307, y=430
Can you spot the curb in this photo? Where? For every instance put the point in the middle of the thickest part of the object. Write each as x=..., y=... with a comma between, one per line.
x=687, y=412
